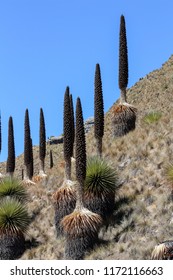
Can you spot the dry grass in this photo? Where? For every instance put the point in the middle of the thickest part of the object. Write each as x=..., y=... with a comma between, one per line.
x=141, y=158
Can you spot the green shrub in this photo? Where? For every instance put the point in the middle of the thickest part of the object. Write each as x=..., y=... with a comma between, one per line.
x=100, y=177
x=12, y=188
x=152, y=117
x=169, y=172
x=100, y=187
x=14, y=218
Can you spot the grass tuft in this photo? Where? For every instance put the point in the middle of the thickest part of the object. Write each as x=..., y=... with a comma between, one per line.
x=169, y=172
x=152, y=117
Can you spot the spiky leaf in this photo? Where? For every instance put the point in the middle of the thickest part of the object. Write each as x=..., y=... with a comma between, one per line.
x=14, y=218
x=100, y=177
x=12, y=188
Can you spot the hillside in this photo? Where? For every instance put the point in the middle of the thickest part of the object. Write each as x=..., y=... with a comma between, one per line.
x=145, y=213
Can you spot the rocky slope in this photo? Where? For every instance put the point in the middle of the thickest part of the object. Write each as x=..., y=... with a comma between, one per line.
x=144, y=209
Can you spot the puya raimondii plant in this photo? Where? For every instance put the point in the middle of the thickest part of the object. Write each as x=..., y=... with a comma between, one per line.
x=123, y=114
x=81, y=226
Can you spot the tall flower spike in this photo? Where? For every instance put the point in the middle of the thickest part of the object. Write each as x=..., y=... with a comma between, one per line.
x=81, y=226
x=98, y=111
x=68, y=135
x=123, y=114
x=123, y=59
x=11, y=149
x=42, y=144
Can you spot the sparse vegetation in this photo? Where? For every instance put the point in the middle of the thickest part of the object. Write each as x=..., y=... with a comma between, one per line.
x=143, y=210
x=169, y=172
x=152, y=117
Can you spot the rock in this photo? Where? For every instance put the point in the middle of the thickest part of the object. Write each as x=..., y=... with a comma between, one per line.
x=59, y=139
x=88, y=124
x=55, y=140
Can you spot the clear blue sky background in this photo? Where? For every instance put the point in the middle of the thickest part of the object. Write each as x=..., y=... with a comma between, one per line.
x=46, y=45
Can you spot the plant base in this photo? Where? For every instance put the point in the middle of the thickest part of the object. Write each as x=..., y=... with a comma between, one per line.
x=123, y=119
x=81, y=231
x=103, y=205
x=11, y=247
x=64, y=201
x=76, y=248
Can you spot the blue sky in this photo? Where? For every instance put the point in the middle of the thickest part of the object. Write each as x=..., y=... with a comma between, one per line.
x=46, y=45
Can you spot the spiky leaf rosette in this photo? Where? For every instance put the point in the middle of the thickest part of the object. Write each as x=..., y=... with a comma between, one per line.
x=14, y=189
x=14, y=219
x=64, y=201
x=123, y=55
x=80, y=144
x=27, y=137
x=101, y=185
x=81, y=231
x=11, y=148
x=42, y=137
